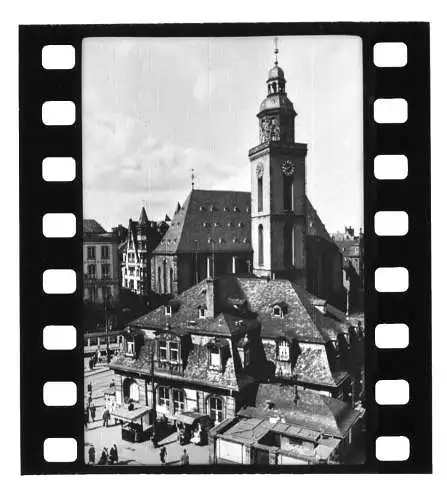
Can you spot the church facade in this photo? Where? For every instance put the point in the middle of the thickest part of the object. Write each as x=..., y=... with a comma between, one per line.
x=272, y=232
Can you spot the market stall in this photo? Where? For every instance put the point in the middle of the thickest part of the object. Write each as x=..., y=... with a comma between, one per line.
x=136, y=422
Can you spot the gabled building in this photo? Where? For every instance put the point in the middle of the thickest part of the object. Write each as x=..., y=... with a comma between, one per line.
x=142, y=237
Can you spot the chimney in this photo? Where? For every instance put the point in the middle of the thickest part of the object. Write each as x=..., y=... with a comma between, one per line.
x=210, y=298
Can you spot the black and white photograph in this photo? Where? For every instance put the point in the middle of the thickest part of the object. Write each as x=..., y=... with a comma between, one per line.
x=223, y=251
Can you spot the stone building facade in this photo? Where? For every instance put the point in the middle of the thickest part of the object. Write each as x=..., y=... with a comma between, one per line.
x=101, y=264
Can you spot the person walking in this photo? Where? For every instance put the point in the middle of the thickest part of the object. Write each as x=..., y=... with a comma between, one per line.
x=89, y=388
x=91, y=454
x=104, y=457
x=163, y=453
x=93, y=412
x=113, y=454
x=184, y=458
x=90, y=400
x=86, y=418
x=105, y=418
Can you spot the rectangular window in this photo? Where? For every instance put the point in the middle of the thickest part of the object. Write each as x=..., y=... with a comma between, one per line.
x=92, y=270
x=105, y=252
x=173, y=351
x=163, y=352
x=91, y=253
x=216, y=409
x=288, y=192
x=215, y=356
x=179, y=400
x=105, y=270
x=130, y=347
x=163, y=396
x=260, y=194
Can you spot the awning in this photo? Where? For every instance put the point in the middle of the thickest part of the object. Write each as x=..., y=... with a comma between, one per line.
x=190, y=417
x=123, y=413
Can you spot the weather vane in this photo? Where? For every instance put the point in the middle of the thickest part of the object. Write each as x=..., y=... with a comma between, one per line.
x=276, y=50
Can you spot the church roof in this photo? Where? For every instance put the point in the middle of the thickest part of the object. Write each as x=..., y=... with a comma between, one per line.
x=225, y=228
x=209, y=221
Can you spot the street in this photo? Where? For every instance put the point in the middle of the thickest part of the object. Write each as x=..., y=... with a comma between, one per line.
x=129, y=453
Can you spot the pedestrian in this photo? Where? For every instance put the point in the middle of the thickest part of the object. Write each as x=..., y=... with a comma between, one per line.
x=86, y=418
x=90, y=400
x=114, y=454
x=163, y=453
x=105, y=418
x=90, y=363
x=89, y=388
x=91, y=454
x=184, y=458
x=93, y=412
x=104, y=457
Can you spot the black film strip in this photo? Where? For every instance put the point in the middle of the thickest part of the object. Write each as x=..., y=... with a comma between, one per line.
x=412, y=251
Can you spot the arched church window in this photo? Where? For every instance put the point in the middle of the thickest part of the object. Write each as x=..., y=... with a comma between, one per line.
x=165, y=277
x=260, y=194
x=171, y=279
x=260, y=245
x=159, y=279
x=288, y=192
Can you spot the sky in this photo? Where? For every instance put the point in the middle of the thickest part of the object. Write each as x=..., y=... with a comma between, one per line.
x=155, y=108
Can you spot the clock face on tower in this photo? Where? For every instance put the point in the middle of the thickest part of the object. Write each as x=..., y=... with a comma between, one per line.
x=288, y=168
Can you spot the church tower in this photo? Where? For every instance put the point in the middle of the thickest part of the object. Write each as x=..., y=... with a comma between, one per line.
x=278, y=180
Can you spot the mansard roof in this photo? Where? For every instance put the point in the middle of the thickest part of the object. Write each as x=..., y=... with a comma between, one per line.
x=209, y=221
x=303, y=321
x=195, y=368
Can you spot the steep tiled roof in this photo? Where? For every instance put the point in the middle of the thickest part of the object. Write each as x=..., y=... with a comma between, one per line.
x=143, y=217
x=307, y=408
x=315, y=226
x=208, y=221
x=220, y=221
x=91, y=226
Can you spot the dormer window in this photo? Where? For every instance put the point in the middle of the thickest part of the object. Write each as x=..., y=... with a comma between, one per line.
x=283, y=350
x=279, y=310
x=168, y=350
x=215, y=358
x=201, y=312
x=130, y=348
x=168, y=310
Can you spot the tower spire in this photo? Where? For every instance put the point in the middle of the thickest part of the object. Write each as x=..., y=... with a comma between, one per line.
x=192, y=179
x=275, y=41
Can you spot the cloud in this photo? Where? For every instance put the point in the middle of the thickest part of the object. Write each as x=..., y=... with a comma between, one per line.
x=208, y=82
x=119, y=157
